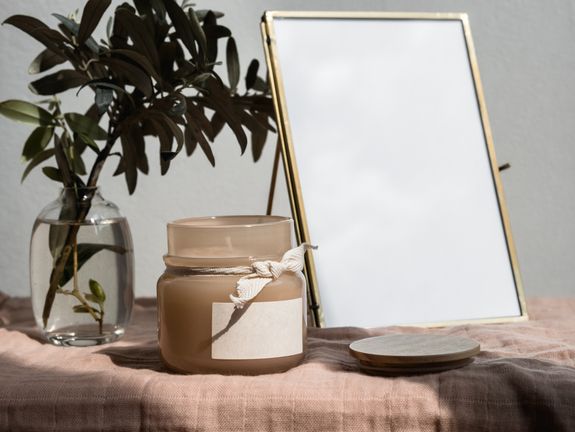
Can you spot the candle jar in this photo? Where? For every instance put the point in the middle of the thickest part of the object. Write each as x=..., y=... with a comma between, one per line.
x=200, y=329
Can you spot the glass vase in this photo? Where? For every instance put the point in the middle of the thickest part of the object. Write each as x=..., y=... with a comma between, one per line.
x=81, y=269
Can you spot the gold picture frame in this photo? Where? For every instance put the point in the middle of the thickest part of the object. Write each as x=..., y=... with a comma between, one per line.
x=285, y=143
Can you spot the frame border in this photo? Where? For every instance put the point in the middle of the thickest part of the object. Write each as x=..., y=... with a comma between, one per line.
x=290, y=166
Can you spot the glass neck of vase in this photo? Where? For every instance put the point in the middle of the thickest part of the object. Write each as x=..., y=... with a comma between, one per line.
x=80, y=196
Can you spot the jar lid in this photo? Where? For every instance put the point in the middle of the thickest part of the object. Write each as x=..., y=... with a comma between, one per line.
x=413, y=353
x=227, y=240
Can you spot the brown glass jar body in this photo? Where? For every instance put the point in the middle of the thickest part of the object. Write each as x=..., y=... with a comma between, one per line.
x=185, y=321
x=186, y=300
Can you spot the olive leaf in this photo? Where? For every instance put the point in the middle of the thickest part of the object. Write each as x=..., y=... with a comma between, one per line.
x=26, y=112
x=36, y=142
x=91, y=16
x=85, y=252
x=59, y=232
x=133, y=74
x=47, y=59
x=63, y=173
x=252, y=74
x=86, y=126
x=138, y=59
x=58, y=82
x=199, y=35
x=134, y=26
x=181, y=25
x=103, y=98
x=53, y=173
x=217, y=98
x=97, y=291
x=197, y=135
x=39, y=31
x=37, y=160
x=233, y=63
x=130, y=161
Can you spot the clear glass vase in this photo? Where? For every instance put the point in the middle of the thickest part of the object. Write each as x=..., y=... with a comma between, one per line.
x=81, y=269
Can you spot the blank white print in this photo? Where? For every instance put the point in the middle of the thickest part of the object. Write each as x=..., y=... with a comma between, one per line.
x=394, y=171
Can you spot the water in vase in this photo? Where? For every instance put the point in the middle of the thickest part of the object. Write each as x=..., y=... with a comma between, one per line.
x=94, y=296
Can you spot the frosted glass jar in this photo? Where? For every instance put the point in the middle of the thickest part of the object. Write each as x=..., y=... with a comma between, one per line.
x=199, y=329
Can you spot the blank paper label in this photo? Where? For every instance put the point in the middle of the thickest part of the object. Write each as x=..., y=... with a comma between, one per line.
x=260, y=330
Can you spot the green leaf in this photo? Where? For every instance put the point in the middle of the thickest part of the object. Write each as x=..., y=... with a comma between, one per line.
x=97, y=290
x=139, y=33
x=84, y=125
x=59, y=232
x=193, y=129
x=252, y=73
x=85, y=252
x=53, y=174
x=223, y=104
x=121, y=168
x=190, y=141
x=233, y=63
x=60, y=146
x=26, y=112
x=199, y=34
x=81, y=309
x=181, y=25
x=179, y=106
x=198, y=115
x=52, y=39
x=132, y=73
x=217, y=32
x=37, y=160
x=139, y=59
x=58, y=82
x=37, y=141
x=47, y=59
x=91, y=297
x=166, y=139
x=130, y=159
x=89, y=142
x=139, y=143
x=69, y=24
x=76, y=160
x=103, y=98
x=91, y=16
x=260, y=85
x=217, y=122
x=259, y=136
x=106, y=83
x=73, y=28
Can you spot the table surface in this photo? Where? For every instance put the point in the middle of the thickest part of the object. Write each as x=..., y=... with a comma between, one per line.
x=523, y=379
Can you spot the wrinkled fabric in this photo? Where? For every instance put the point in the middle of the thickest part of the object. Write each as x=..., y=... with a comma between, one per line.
x=524, y=379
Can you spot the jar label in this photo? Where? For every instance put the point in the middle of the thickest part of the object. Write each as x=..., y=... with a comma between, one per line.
x=260, y=330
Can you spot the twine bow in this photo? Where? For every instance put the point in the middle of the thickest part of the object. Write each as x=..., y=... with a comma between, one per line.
x=264, y=272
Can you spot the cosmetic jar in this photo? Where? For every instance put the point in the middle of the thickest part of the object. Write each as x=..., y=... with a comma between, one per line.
x=205, y=324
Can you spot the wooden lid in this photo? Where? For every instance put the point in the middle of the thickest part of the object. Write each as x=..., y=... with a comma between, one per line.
x=414, y=352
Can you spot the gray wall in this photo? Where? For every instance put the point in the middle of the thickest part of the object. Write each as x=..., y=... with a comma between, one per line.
x=527, y=63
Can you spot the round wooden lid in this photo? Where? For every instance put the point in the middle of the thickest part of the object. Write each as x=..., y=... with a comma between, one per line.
x=406, y=350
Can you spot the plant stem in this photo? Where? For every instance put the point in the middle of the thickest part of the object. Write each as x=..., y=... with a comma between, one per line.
x=101, y=320
x=76, y=264
x=82, y=212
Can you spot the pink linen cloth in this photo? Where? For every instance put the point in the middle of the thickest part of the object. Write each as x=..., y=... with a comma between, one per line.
x=524, y=379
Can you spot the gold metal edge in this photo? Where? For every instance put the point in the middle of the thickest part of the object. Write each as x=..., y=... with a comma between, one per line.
x=270, y=15
x=494, y=166
x=437, y=324
x=289, y=164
